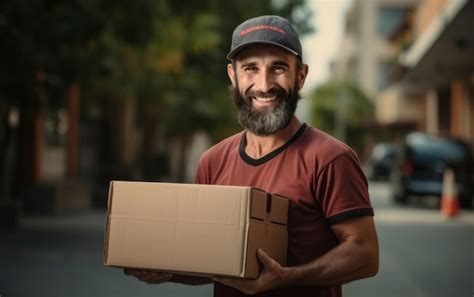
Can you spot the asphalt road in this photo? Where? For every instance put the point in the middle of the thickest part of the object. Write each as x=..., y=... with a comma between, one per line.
x=422, y=254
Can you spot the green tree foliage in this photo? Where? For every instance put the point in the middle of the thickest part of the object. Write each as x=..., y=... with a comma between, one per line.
x=329, y=99
x=117, y=48
x=168, y=57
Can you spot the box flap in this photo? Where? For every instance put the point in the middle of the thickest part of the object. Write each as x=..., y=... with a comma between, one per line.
x=259, y=204
x=269, y=207
x=279, y=212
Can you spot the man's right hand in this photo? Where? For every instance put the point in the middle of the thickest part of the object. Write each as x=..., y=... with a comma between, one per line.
x=149, y=276
x=155, y=277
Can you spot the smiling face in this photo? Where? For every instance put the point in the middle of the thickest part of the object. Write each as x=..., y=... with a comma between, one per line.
x=266, y=81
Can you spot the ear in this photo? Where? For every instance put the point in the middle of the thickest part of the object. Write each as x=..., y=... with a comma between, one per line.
x=231, y=73
x=302, y=73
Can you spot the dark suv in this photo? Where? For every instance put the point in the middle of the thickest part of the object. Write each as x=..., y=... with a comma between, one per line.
x=420, y=166
x=381, y=161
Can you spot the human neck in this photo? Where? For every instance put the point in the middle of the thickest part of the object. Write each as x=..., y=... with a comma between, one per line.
x=259, y=146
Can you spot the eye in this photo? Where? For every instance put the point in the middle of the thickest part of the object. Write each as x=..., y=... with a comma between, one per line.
x=279, y=69
x=250, y=69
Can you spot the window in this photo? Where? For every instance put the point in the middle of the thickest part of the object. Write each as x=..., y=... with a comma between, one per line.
x=388, y=20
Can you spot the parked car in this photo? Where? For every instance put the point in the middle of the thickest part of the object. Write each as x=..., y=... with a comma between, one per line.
x=421, y=163
x=381, y=161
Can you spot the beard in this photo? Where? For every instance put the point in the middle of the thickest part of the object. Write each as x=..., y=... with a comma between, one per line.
x=265, y=121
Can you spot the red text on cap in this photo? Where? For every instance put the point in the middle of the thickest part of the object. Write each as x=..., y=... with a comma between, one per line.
x=262, y=27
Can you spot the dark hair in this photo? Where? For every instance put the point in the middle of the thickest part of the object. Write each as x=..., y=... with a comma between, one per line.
x=299, y=64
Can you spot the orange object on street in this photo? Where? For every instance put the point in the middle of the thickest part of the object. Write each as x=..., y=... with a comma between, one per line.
x=449, y=198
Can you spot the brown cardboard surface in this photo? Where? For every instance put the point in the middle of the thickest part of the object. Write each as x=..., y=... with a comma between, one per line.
x=203, y=229
x=267, y=237
x=279, y=212
x=269, y=216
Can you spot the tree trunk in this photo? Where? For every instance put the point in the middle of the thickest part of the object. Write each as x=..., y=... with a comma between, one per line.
x=5, y=139
x=30, y=147
x=72, y=136
x=127, y=132
x=147, y=147
x=183, y=143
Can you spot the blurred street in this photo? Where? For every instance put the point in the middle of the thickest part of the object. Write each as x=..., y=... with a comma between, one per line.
x=422, y=254
x=95, y=91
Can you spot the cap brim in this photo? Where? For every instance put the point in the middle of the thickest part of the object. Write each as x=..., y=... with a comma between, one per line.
x=233, y=52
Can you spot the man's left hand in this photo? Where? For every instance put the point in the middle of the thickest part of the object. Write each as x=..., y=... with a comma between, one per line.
x=272, y=277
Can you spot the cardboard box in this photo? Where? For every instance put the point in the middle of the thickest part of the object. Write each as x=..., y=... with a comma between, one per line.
x=194, y=229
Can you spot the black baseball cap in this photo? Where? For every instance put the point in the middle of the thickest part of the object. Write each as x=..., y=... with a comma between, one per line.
x=267, y=29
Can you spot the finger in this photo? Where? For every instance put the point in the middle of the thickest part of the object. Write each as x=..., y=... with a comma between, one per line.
x=162, y=278
x=145, y=278
x=134, y=272
x=265, y=259
x=143, y=272
x=155, y=278
x=130, y=271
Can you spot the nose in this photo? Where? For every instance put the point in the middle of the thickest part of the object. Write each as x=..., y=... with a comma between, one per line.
x=264, y=81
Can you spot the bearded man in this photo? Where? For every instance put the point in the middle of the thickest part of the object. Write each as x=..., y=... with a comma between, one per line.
x=331, y=234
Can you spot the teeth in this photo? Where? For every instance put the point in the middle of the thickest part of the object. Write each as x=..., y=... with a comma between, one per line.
x=265, y=99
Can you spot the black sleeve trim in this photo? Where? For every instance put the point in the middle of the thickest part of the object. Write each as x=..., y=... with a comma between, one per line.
x=351, y=214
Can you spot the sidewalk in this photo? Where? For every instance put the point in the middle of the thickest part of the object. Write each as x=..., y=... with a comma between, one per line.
x=62, y=256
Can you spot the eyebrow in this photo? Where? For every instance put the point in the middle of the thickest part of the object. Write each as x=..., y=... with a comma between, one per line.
x=248, y=64
x=275, y=63
x=281, y=63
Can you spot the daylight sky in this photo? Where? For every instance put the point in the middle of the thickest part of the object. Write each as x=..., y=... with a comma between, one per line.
x=321, y=47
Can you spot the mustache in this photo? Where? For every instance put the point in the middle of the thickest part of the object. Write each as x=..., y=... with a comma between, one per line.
x=273, y=92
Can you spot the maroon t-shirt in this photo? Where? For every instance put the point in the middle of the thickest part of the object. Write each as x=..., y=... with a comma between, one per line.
x=323, y=179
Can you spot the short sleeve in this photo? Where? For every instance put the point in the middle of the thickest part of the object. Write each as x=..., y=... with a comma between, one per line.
x=201, y=176
x=342, y=190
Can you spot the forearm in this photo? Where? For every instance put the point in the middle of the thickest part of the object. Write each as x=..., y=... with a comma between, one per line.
x=355, y=257
x=348, y=261
x=158, y=277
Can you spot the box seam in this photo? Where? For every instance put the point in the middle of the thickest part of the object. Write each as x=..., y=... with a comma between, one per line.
x=246, y=231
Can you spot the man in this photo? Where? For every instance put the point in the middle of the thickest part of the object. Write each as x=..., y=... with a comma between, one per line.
x=331, y=234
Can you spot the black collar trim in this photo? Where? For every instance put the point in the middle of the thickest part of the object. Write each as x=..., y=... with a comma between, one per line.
x=256, y=162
